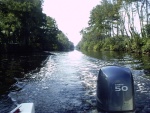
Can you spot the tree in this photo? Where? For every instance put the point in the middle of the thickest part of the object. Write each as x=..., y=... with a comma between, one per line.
x=63, y=42
x=116, y=18
x=25, y=27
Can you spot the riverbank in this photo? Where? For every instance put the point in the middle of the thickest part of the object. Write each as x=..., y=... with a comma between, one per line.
x=136, y=45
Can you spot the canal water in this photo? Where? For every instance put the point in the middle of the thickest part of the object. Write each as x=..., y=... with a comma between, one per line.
x=65, y=82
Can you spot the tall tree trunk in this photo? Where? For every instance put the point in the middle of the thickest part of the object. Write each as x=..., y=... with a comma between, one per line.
x=147, y=15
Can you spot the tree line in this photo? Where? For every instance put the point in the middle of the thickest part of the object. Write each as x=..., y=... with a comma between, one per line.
x=118, y=25
x=25, y=28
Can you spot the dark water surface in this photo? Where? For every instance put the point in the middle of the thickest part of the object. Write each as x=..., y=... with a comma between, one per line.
x=66, y=81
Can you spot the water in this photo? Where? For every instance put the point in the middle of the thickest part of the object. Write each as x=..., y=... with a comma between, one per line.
x=66, y=82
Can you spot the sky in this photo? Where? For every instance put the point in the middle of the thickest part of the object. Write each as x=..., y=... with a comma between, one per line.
x=71, y=15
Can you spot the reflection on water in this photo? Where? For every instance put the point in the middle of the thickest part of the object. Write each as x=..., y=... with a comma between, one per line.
x=134, y=61
x=14, y=67
x=67, y=80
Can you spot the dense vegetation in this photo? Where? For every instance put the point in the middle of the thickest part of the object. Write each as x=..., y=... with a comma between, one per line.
x=25, y=28
x=114, y=24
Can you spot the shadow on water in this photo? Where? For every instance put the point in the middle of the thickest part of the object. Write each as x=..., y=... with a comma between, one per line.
x=14, y=67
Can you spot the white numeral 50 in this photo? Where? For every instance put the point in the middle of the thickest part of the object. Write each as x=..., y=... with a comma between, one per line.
x=121, y=87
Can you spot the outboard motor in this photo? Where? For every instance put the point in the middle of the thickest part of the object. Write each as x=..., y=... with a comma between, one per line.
x=115, y=90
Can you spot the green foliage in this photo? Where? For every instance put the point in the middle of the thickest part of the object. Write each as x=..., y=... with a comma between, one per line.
x=136, y=43
x=64, y=43
x=90, y=46
x=107, y=30
x=146, y=47
x=22, y=22
x=85, y=45
x=98, y=46
x=107, y=44
x=147, y=29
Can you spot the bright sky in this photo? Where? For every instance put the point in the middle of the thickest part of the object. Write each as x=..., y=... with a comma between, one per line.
x=71, y=15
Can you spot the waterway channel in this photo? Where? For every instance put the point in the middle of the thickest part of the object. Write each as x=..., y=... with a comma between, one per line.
x=65, y=82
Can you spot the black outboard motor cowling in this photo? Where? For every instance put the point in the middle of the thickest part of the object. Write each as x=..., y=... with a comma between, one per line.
x=115, y=90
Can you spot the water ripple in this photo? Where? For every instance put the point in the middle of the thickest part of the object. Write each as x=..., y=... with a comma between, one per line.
x=67, y=83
